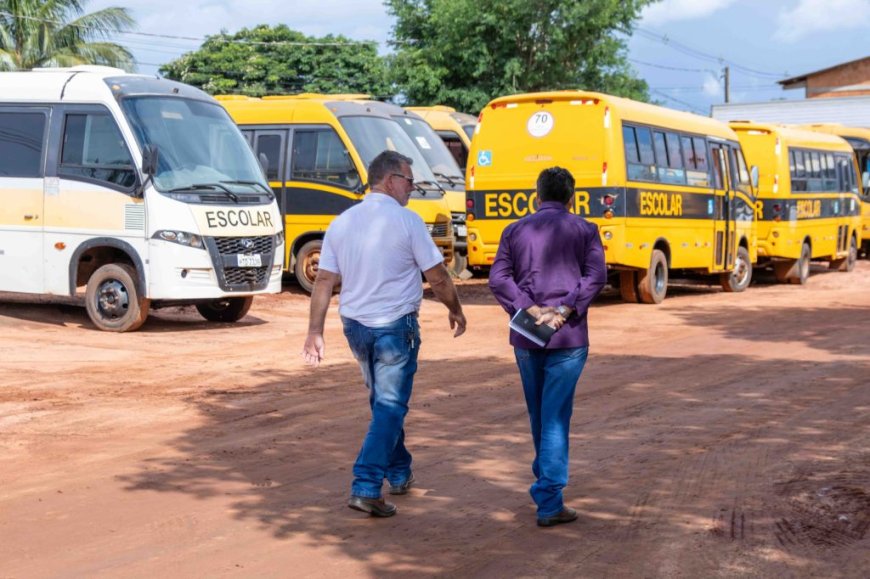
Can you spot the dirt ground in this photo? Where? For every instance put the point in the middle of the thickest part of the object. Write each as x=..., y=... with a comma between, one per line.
x=716, y=435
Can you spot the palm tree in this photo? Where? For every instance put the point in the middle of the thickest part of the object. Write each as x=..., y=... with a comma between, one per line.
x=39, y=33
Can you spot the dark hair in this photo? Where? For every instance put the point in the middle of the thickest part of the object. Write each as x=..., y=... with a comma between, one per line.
x=555, y=184
x=386, y=163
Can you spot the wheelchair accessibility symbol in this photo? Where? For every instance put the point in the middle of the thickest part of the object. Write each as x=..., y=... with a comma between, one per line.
x=484, y=158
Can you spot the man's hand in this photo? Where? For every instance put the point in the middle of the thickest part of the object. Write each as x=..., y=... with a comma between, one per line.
x=314, y=349
x=457, y=322
x=551, y=318
x=443, y=288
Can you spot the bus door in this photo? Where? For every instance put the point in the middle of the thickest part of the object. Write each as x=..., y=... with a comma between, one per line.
x=721, y=211
x=90, y=190
x=270, y=147
x=731, y=206
x=22, y=150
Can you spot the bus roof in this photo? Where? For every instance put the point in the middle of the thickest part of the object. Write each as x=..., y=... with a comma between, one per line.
x=862, y=133
x=275, y=110
x=625, y=108
x=794, y=135
x=88, y=83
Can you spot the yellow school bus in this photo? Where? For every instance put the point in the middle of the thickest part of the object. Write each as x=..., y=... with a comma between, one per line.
x=449, y=177
x=315, y=152
x=455, y=129
x=809, y=205
x=668, y=190
x=859, y=139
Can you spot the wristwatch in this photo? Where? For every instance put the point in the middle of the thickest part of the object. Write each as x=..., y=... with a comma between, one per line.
x=563, y=311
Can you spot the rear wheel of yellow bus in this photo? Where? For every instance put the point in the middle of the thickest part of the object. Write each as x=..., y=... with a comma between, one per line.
x=652, y=284
x=846, y=263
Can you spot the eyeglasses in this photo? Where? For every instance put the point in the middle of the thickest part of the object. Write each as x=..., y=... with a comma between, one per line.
x=410, y=180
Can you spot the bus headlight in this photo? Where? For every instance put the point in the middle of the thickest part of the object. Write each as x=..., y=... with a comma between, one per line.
x=279, y=238
x=180, y=237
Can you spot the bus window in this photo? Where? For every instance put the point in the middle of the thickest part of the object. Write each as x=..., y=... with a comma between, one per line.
x=799, y=175
x=814, y=171
x=644, y=169
x=739, y=173
x=830, y=172
x=320, y=156
x=270, y=146
x=716, y=164
x=456, y=147
x=21, y=144
x=94, y=149
x=675, y=172
x=695, y=161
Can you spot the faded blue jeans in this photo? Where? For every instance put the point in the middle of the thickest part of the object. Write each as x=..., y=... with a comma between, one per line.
x=549, y=379
x=387, y=356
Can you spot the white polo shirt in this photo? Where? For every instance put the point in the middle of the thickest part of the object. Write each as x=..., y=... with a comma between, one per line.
x=379, y=248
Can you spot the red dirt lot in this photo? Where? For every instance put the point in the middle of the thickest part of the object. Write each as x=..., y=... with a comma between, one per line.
x=716, y=435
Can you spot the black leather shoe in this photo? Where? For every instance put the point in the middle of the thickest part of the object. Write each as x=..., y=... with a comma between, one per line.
x=566, y=516
x=402, y=489
x=374, y=507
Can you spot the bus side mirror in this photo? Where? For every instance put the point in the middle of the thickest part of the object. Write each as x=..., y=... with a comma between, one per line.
x=150, y=156
x=753, y=176
x=865, y=178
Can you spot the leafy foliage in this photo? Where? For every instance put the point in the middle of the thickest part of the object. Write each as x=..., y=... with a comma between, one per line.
x=40, y=33
x=268, y=60
x=463, y=53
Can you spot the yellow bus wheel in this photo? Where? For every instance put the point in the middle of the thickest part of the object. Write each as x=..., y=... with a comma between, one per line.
x=307, y=264
x=628, y=286
x=739, y=278
x=846, y=263
x=795, y=271
x=652, y=284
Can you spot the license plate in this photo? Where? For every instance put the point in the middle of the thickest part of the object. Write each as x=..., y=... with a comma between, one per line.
x=461, y=230
x=250, y=260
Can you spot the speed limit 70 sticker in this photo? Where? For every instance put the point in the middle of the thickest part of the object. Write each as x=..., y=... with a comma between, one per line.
x=540, y=124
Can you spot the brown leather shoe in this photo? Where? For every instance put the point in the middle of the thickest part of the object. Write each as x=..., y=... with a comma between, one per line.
x=402, y=489
x=566, y=516
x=374, y=507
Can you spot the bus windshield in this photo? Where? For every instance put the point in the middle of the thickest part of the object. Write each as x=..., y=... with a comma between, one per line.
x=198, y=144
x=373, y=135
x=432, y=148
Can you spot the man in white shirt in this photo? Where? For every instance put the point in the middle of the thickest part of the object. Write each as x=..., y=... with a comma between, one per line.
x=377, y=249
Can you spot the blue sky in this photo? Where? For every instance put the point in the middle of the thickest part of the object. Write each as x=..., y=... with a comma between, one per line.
x=680, y=47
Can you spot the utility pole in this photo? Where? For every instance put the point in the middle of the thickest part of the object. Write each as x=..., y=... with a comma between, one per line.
x=727, y=76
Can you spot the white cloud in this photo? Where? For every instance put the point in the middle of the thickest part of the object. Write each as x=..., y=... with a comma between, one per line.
x=712, y=86
x=820, y=16
x=674, y=10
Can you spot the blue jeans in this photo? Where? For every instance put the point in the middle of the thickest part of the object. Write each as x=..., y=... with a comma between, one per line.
x=549, y=380
x=387, y=356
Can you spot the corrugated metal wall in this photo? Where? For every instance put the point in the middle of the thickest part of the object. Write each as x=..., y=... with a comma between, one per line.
x=849, y=111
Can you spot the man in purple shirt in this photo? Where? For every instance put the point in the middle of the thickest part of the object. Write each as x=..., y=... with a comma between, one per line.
x=550, y=263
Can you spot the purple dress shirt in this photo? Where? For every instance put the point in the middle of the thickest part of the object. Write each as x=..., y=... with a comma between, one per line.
x=550, y=258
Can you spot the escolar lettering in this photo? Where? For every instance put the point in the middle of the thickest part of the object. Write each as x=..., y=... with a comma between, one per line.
x=809, y=208
x=515, y=205
x=661, y=204
x=236, y=217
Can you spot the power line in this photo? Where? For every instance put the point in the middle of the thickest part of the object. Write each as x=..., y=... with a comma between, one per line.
x=688, y=50
x=217, y=38
x=654, y=65
x=682, y=102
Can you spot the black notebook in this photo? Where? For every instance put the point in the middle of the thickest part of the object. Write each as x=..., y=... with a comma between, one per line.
x=524, y=324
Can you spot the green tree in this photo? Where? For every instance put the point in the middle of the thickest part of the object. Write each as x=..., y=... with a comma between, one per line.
x=465, y=52
x=268, y=60
x=40, y=33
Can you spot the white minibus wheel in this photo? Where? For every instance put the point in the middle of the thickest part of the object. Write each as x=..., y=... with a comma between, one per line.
x=226, y=309
x=112, y=300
